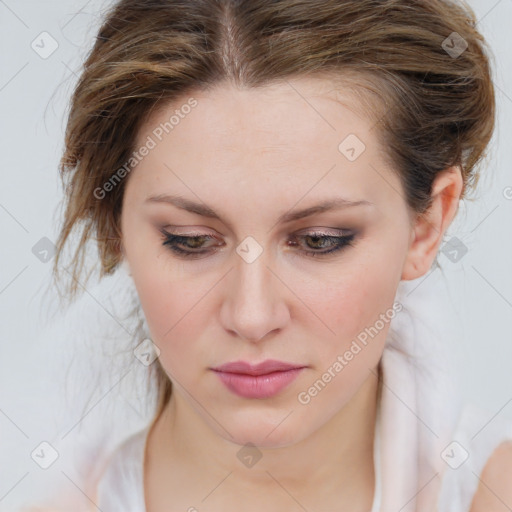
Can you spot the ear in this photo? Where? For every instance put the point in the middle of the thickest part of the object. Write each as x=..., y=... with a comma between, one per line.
x=429, y=227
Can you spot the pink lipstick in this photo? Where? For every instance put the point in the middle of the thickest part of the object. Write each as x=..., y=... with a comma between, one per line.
x=262, y=380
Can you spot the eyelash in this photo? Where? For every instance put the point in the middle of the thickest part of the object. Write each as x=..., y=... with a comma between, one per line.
x=172, y=242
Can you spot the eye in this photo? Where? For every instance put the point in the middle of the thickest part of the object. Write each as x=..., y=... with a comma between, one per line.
x=191, y=243
x=319, y=240
x=318, y=244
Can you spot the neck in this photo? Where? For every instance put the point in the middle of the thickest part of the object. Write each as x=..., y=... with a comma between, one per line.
x=332, y=465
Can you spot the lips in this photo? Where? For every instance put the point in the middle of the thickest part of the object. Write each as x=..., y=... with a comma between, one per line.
x=268, y=366
x=262, y=380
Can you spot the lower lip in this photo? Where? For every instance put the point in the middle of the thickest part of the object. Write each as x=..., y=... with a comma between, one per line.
x=258, y=386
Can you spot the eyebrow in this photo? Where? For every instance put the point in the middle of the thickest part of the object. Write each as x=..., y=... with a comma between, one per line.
x=202, y=209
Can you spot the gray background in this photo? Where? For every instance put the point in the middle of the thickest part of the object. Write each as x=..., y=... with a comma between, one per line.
x=48, y=366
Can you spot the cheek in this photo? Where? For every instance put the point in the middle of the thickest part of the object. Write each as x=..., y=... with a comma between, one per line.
x=353, y=300
x=357, y=306
x=165, y=293
x=150, y=271
x=174, y=318
x=174, y=305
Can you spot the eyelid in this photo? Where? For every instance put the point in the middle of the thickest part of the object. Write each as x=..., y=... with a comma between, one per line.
x=323, y=231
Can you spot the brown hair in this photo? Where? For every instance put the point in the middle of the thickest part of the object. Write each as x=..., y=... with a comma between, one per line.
x=407, y=61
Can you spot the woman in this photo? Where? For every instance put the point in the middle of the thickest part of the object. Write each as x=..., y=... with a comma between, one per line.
x=271, y=172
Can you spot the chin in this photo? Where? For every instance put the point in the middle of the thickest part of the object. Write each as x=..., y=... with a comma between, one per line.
x=274, y=433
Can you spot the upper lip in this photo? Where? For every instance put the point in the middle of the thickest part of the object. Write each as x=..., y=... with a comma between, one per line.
x=268, y=366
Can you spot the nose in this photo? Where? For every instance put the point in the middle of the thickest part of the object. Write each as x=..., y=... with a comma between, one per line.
x=254, y=305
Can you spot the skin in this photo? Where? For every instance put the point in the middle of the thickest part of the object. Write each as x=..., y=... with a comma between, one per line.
x=252, y=155
x=494, y=493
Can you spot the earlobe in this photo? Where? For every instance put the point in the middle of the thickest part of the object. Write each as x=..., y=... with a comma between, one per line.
x=430, y=227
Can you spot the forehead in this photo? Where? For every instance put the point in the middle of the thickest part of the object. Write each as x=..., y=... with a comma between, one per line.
x=276, y=142
x=300, y=107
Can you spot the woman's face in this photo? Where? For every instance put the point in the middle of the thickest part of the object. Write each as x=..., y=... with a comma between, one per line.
x=256, y=280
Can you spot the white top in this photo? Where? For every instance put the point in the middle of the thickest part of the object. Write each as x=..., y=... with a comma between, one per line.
x=121, y=486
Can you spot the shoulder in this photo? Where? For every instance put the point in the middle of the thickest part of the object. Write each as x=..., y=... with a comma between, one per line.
x=494, y=493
